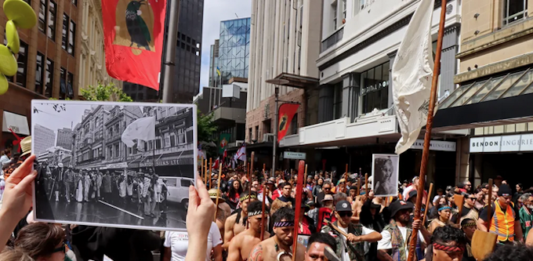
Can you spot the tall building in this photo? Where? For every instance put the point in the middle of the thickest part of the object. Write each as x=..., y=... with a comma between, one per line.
x=64, y=138
x=92, y=69
x=231, y=53
x=494, y=92
x=48, y=62
x=188, y=56
x=284, y=46
x=46, y=139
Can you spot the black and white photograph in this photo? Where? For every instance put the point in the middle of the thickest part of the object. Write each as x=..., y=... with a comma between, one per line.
x=113, y=164
x=385, y=169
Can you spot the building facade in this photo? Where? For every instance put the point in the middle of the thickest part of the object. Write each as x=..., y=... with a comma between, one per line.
x=92, y=70
x=64, y=138
x=494, y=89
x=48, y=62
x=48, y=140
x=284, y=44
x=214, y=78
x=188, y=57
x=355, y=116
x=88, y=138
x=233, y=50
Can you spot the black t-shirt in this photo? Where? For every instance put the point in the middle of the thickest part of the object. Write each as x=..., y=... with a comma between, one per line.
x=483, y=214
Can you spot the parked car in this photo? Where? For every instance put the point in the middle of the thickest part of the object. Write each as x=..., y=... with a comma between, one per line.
x=178, y=189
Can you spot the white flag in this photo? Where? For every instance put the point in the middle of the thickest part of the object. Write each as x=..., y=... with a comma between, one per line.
x=412, y=73
x=141, y=129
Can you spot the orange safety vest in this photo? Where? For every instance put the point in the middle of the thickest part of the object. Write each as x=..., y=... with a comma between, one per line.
x=503, y=223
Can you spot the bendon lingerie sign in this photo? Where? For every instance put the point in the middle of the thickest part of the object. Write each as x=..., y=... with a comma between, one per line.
x=502, y=143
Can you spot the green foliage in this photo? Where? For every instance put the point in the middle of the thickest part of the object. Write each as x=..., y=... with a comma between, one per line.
x=206, y=130
x=103, y=92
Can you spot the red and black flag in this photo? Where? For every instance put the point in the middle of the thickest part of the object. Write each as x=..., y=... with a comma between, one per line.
x=286, y=113
x=133, y=33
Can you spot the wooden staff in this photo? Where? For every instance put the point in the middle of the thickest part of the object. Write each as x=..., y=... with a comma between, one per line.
x=263, y=208
x=358, y=187
x=336, y=228
x=429, y=127
x=250, y=177
x=205, y=171
x=427, y=204
x=209, y=169
x=346, y=173
x=366, y=185
x=218, y=191
x=298, y=201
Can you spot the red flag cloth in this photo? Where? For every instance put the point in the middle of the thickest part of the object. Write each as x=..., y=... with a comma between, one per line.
x=215, y=165
x=133, y=33
x=286, y=113
x=16, y=142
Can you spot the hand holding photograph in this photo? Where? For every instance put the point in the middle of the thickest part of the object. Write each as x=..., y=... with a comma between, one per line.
x=113, y=164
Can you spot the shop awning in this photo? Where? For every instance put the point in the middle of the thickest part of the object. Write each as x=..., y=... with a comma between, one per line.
x=498, y=100
x=294, y=80
x=15, y=122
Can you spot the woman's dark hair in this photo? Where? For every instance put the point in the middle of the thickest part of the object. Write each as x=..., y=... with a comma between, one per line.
x=447, y=234
x=318, y=181
x=511, y=253
x=283, y=213
x=322, y=238
x=232, y=190
x=39, y=239
x=377, y=222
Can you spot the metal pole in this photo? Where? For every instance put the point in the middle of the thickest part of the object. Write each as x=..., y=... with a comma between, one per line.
x=276, y=129
x=170, y=58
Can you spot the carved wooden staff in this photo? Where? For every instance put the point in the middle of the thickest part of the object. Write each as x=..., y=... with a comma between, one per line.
x=429, y=127
x=205, y=172
x=218, y=191
x=263, y=208
x=298, y=201
x=209, y=172
x=427, y=204
x=250, y=176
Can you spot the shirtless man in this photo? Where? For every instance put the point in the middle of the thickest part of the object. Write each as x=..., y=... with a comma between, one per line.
x=236, y=223
x=278, y=247
x=242, y=244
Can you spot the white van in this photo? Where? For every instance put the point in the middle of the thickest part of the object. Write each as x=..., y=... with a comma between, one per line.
x=178, y=189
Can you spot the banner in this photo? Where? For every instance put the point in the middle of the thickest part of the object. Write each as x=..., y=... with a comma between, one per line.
x=133, y=33
x=411, y=76
x=223, y=142
x=141, y=129
x=286, y=113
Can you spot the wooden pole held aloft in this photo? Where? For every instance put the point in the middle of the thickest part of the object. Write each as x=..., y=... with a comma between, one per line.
x=427, y=204
x=298, y=203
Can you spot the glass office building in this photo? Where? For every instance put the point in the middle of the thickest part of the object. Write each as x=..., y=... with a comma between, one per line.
x=233, y=49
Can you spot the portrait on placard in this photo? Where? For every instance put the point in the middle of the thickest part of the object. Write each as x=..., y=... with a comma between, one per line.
x=113, y=164
x=385, y=168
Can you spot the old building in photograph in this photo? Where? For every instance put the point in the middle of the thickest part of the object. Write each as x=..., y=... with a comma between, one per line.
x=116, y=122
x=64, y=138
x=88, y=137
x=47, y=141
x=48, y=62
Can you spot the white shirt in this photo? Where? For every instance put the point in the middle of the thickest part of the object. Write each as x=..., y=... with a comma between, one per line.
x=366, y=231
x=386, y=244
x=179, y=242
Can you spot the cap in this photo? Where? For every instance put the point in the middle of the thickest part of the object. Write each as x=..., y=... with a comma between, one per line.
x=328, y=197
x=342, y=206
x=398, y=205
x=505, y=190
x=213, y=195
x=412, y=193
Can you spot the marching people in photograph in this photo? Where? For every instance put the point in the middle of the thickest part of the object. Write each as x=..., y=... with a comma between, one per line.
x=113, y=164
x=385, y=174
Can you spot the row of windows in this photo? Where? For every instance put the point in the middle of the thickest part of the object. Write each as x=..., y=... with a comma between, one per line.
x=69, y=34
x=47, y=24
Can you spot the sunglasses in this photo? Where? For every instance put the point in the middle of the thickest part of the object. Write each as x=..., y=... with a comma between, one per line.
x=345, y=214
x=61, y=248
x=327, y=188
x=473, y=199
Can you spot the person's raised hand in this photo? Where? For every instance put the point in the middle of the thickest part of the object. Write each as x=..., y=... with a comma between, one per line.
x=18, y=194
x=417, y=223
x=201, y=211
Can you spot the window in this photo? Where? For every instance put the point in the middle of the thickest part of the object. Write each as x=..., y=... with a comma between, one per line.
x=181, y=137
x=514, y=10
x=294, y=124
x=70, y=81
x=75, y=2
x=185, y=183
x=334, y=15
x=71, y=37
x=52, y=20
x=337, y=100
x=22, y=60
x=64, y=32
x=375, y=91
x=49, y=78
x=257, y=133
x=117, y=151
x=250, y=135
x=62, y=82
x=42, y=16
x=344, y=7
x=167, y=140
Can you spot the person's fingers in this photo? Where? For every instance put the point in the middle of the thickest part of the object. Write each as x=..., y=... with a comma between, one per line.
x=24, y=169
x=202, y=191
x=193, y=198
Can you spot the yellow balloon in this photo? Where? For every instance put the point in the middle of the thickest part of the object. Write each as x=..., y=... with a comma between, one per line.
x=12, y=36
x=8, y=64
x=21, y=13
x=3, y=84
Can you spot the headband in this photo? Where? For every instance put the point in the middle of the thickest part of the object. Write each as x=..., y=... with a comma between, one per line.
x=444, y=208
x=470, y=224
x=256, y=213
x=284, y=224
x=253, y=196
x=453, y=248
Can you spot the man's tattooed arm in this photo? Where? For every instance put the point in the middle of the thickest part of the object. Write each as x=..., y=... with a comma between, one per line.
x=256, y=254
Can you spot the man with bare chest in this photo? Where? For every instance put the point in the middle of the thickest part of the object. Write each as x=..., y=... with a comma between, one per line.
x=236, y=223
x=242, y=244
x=279, y=247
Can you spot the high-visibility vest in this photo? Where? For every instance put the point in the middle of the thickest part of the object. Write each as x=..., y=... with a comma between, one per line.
x=503, y=223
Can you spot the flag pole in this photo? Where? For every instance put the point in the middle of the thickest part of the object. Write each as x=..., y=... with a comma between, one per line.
x=298, y=203
x=170, y=49
x=263, y=208
x=429, y=127
x=218, y=191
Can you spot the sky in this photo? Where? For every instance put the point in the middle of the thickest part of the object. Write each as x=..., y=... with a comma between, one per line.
x=214, y=12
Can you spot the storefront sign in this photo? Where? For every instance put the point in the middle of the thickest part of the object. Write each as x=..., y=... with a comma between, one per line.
x=502, y=143
x=294, y=155
x=120, y=165
x=436, y=145
x=170, y=162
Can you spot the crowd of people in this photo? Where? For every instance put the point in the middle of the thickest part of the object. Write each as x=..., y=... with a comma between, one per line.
x=338, y=220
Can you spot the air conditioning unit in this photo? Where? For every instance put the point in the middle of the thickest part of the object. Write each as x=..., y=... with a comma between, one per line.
x=268, y=137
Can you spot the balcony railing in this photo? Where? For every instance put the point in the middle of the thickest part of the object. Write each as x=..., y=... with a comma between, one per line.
x=332, y=40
